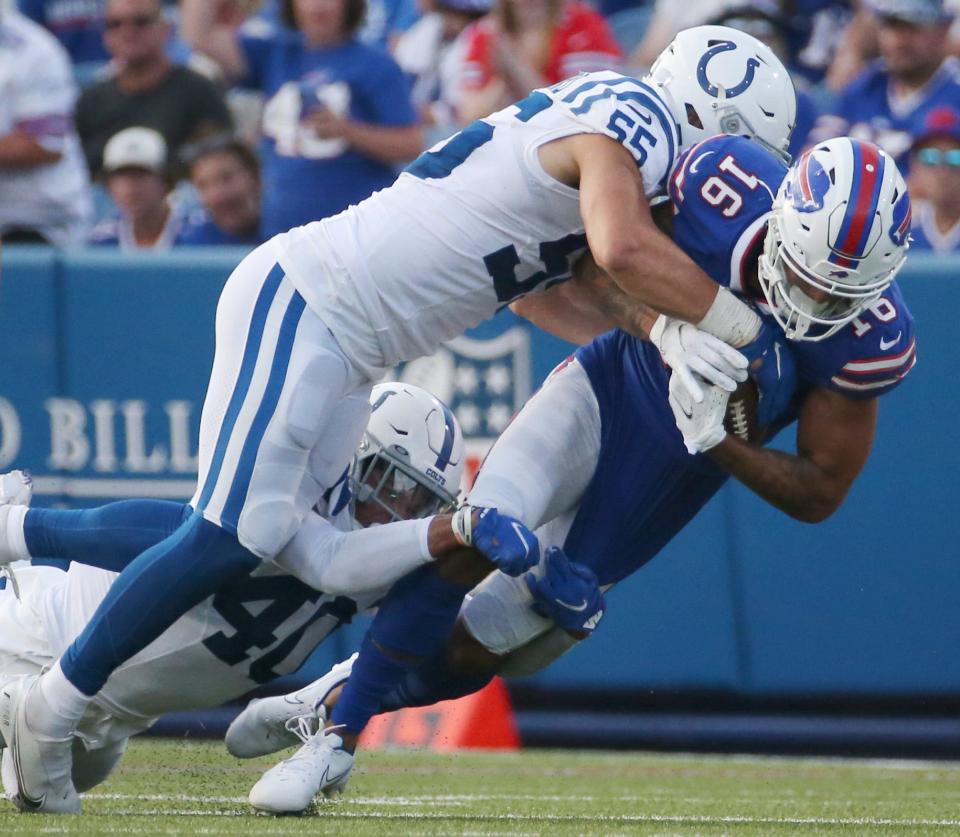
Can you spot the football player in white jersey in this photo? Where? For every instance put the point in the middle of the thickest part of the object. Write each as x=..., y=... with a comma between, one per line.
x=594, y=461
x=221, y=649
x=310, y=319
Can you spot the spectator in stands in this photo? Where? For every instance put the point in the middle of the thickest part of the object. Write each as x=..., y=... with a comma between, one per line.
x=526, y=44
x=669, y=17
x=226, y=174
x=137, y=172
x=78, y=24
x=813, y=30
x=338, y=115
x=44, y=188
x=432, y=52
x=819, y=35
x=889, y=102
x=935, y=171
x=146, y=88
x=383, y=24
x=386, y=21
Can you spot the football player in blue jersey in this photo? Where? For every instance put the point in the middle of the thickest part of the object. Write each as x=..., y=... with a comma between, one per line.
x=311, y=319
x=594, y=462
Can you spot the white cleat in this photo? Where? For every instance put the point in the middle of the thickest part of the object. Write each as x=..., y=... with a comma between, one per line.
x=321, y=765
x=16, y=488
x=36, y=770
x=273, y=724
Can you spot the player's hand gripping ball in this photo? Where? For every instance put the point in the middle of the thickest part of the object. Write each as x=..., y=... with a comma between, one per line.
x=770, y=387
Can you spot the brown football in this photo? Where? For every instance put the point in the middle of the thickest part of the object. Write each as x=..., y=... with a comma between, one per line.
x=741, y=417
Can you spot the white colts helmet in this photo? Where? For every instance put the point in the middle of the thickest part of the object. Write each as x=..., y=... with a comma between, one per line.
x=723, y=81
x=411, y=455
x=841, y=225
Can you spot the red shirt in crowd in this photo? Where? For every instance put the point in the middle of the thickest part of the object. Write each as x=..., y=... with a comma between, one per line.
x=582, y=42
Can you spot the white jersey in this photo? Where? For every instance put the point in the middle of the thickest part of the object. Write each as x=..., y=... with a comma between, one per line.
x=472, y=224
x=37, y=95
x=251, y=632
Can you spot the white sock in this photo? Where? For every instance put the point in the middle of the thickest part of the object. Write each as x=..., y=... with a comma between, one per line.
x=13, y=544
x=55, y=709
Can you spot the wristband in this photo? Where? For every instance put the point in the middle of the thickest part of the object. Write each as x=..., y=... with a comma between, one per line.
x=731, y=320
x=656, y=331
x=462, y=525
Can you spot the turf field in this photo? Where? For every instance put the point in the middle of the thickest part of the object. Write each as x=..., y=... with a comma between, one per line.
x=186, y=787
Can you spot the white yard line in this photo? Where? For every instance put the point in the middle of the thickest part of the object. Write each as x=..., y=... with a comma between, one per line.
x=338, y=810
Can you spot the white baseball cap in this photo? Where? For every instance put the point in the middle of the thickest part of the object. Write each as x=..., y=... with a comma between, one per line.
x=136, y=148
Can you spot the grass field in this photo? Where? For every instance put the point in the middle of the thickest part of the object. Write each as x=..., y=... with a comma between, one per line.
x=188, y=787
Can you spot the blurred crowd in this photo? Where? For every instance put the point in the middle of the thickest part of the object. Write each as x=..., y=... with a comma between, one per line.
x=144, y=124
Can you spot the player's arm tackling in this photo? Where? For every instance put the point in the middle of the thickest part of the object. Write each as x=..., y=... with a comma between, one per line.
x=627, y=244
x=589, y=304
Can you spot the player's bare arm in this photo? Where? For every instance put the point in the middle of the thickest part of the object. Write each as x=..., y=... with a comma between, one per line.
x=623, y=238
x=586, y=306
x=834, y=438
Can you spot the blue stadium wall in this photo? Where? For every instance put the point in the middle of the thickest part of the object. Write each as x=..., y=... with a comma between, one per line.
x=102, y=375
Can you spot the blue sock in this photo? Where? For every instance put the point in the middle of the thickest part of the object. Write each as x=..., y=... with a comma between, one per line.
x=432, y=682
x=151, y=594
x=109, y=537
x=373, y=675
x=411, y=626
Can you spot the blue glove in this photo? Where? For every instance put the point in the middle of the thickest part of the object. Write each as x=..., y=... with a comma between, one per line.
x=568, y=593
x=762, y=343
x=774, y=370
x=505, y=541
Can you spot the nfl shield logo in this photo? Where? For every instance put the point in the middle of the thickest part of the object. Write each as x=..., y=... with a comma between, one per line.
x=484, y=382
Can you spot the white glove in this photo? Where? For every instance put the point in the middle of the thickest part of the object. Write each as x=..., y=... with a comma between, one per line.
x=701, y=423
x=688, y=350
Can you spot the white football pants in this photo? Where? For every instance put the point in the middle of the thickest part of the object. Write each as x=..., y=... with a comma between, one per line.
x=284, y=411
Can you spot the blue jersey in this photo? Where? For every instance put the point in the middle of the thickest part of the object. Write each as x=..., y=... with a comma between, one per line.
x=814, y=33
x=312, y=178
x=199, y=230
x=722, y=192
x=866, y=110
x=386, y=18
x=925, y=234
x=78, y=25
x=628, y=514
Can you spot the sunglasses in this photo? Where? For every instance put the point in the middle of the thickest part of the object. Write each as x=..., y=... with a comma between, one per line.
x=111, y=24
x=936, y=157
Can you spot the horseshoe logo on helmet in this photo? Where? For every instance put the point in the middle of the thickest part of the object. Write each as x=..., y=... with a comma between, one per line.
x=712, y=89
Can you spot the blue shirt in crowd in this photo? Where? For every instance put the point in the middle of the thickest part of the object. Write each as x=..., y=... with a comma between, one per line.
x=309, y=178
x=866, y=109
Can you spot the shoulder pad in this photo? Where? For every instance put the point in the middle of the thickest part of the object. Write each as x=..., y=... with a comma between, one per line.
x=722, y=192
x=628, y=110
x=871, y=356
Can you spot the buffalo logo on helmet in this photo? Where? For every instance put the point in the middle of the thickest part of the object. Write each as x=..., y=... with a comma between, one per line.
x=902, y=215
x=808, y=185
